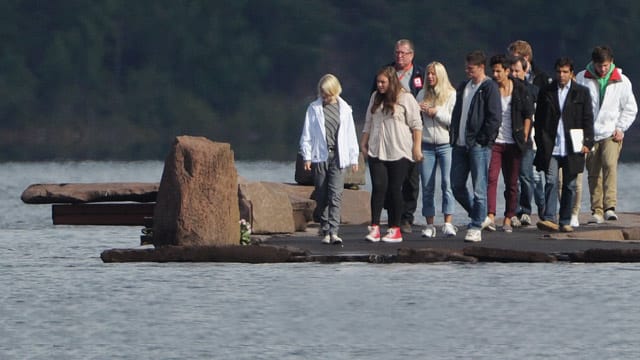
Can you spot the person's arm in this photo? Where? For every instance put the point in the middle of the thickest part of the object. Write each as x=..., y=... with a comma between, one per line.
x=415, y=124
x=417, y=144
x=305, y=139
x=364, y=144
x=528, y=111
x=587, y=123
x=628, y=113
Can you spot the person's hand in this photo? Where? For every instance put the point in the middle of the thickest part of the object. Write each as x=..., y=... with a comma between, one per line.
x=417, y=155
x=585, y=150
x=307, y=165
x=354, y=168
x=618, y=135
x=364, y=148
x=432, y=111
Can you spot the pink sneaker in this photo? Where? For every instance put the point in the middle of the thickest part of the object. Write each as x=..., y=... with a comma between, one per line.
x=374, y=233
x=394, y=235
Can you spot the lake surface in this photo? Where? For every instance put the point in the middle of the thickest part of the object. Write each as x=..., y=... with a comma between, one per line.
x=59, y=301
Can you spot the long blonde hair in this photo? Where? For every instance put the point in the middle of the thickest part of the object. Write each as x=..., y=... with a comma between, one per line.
x=439, y=94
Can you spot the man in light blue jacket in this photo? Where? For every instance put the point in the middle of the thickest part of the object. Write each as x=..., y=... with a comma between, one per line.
x=328, y=146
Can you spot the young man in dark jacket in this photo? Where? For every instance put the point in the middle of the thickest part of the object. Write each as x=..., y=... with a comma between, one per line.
x=474, y=127
x=562, y=106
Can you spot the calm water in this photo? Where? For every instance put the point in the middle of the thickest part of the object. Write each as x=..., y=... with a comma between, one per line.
x=59, y=301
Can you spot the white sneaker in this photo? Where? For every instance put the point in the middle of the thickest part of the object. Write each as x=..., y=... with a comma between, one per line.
x=487, y=221
x=429, y=231
x=596, y=219
x=326, y=239
x=574, y=221
x=610, y=215
x=488, y=224
x=473, y=235
x=515, y=222
x=449, y=230
x=335, y=239
x=525, y=220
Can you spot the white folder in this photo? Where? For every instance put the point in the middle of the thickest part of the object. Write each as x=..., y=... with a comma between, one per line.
x=577, y=136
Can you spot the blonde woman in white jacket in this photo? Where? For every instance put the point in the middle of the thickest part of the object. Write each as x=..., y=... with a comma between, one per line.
x=329, y=145
x=436, y=101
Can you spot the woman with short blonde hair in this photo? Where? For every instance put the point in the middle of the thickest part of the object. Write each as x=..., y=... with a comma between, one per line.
x=329, y=145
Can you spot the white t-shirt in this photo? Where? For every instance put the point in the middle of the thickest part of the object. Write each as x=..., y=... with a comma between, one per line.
x=469, y=92
x=505, y=133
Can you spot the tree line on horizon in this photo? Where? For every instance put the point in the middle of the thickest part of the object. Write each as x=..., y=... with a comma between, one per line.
x=118, y=80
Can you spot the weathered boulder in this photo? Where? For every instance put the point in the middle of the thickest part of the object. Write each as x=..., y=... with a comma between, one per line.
x=356, y=204
x=197, y=201
x=89, y=192
x=271, y=211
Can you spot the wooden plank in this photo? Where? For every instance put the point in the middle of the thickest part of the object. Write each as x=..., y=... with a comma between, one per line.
x=74, y=193
x=102, y=214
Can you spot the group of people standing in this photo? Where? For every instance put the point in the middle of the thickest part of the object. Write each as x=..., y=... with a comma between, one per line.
x=537, y=130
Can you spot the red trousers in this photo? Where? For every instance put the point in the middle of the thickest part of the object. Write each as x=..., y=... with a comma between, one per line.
x=505, y=157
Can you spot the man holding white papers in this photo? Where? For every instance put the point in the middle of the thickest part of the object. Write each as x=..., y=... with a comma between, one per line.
x=562, y=106
x=614, y=110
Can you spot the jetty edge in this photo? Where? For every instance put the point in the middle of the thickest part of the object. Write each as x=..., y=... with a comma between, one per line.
x=589, y=243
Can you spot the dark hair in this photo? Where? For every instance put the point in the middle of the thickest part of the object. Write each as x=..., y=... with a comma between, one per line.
x=522, y=62
x=564, y=61
x=501, y=59
x=476, y=57
x=601, y=54
x=390, y=97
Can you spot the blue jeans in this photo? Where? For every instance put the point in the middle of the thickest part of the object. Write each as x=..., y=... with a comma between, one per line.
x=551, y=192
x=434, y=156
x=474, y=161
x=531, y=185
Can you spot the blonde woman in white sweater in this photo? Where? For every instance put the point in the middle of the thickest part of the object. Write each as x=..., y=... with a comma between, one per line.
x=436, y=101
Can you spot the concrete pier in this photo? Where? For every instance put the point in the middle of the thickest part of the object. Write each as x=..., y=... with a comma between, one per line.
x=613, y=241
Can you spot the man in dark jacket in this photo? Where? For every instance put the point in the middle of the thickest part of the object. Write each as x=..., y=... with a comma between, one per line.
x=563, y=107
x=411, y=77
x=474, y=127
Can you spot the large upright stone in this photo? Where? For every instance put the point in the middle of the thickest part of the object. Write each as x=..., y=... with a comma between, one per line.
x=197, y=201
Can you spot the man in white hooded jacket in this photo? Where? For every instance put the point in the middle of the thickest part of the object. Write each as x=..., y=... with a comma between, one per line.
x=614, y=110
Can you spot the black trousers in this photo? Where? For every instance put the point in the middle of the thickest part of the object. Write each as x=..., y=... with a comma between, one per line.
x=387, y=179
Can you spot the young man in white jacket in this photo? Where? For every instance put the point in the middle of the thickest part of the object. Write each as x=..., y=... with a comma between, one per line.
x=614, y=110
x=329, y=145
